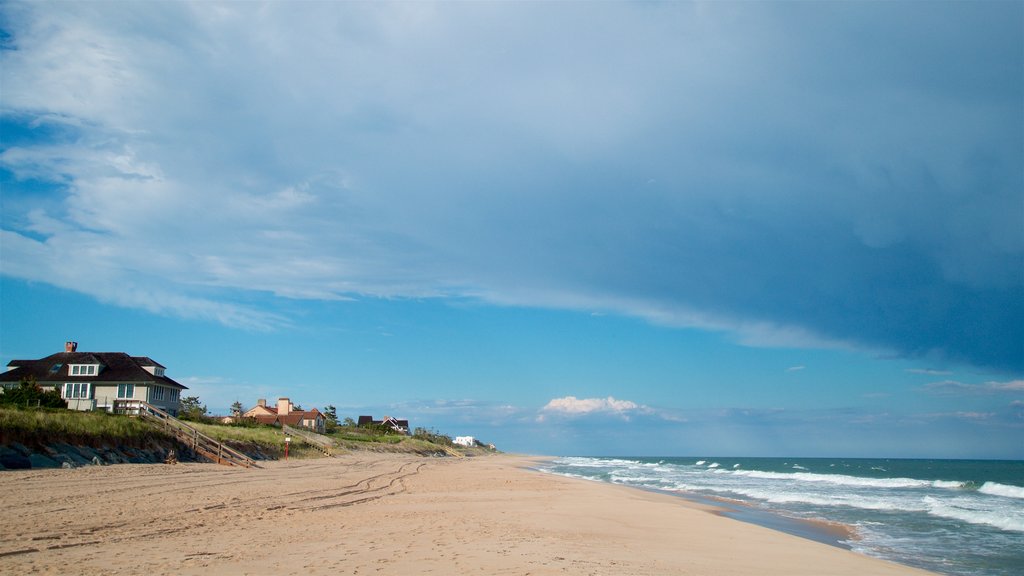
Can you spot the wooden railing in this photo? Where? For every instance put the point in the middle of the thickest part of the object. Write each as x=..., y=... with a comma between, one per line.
x=201, y=443
x=318, y=441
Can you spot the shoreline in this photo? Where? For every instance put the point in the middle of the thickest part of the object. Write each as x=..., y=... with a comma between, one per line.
x=388, y=514
x=820, y=530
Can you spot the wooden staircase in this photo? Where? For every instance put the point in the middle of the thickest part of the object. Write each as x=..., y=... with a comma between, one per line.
x=318, y=441
x=201, y=443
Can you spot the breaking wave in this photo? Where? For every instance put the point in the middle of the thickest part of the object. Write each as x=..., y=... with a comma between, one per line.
x=1004, y=490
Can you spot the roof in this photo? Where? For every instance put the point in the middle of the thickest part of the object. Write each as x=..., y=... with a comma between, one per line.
x=273, y=410
x=387, y=421
x=147, y=361
x=114, y=367
x=290, y=419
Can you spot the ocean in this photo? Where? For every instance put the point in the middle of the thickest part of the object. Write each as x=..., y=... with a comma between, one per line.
x=957, y=517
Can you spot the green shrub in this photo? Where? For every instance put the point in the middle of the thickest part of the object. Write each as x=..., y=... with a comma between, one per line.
x=29, y=394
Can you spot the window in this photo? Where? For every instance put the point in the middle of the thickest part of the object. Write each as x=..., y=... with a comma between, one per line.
x=77, y=390
x=83, y=369
x=158, y=392
x=158, y=371
x=126, y=390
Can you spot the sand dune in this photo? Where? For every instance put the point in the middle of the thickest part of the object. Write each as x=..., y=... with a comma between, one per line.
x=379, y=514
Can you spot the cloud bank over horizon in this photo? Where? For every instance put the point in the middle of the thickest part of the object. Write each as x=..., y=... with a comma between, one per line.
x=791, y=174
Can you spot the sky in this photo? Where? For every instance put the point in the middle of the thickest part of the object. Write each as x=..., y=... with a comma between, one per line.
x=573, y=228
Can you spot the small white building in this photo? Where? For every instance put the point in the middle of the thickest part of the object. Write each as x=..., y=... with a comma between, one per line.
x=465, y=441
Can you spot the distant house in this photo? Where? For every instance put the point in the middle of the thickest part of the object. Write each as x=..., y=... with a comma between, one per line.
x=465, y=441
x=400, y=426
x=94, y=380
x=284, y=413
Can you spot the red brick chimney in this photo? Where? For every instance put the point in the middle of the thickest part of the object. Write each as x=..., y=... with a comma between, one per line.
x=70, y=346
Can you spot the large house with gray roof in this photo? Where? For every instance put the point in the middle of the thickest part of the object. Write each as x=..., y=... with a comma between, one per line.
x=94, y=380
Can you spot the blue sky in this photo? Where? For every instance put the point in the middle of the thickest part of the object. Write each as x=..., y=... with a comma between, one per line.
x=570, y=228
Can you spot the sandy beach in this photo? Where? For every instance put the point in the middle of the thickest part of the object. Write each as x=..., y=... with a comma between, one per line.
x=381, y=514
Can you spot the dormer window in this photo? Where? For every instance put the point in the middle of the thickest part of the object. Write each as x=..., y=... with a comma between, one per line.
x=83, y=369
x=153, y=369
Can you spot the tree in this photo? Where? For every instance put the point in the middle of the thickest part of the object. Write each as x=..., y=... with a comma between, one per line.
x=433, y=436
x=31, y=395
x=191, y=409
x=236, y=410
x=331, y=417
x=349, y=422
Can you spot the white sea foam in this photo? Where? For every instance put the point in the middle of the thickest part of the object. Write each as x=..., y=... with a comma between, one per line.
x=1002, y=518
x=714, y=465
x=595, y=462
x=701, y=462
x=1004, y=490
x=854, y=481
x=824, y=500
x=634, y=479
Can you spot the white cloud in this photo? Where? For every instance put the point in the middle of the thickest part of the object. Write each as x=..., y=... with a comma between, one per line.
x=969, y=416
x=573, y=406
x=954, y=387
x=208, y=152
x=796, y=368
x=928, y=371
x=1011, y=386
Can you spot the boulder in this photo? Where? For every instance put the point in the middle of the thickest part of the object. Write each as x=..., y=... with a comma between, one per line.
x=40, y=461
x=20, y=448
x=67, y=451
x=12, y=460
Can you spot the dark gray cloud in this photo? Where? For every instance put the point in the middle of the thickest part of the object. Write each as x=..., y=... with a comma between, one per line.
x=840, y=173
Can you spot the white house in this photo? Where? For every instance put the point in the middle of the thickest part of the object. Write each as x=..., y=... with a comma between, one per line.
x=94, y=380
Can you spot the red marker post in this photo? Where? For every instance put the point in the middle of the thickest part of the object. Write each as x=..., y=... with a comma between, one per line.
x=287, y=443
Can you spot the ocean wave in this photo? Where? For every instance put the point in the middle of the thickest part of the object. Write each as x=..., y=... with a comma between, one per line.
x=635, y=479
x=595, y=462
x=853, y=481
x=969, y=510
x=965, y=509
x=1004, y=490
x=822, y=500
x=1001, y=518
